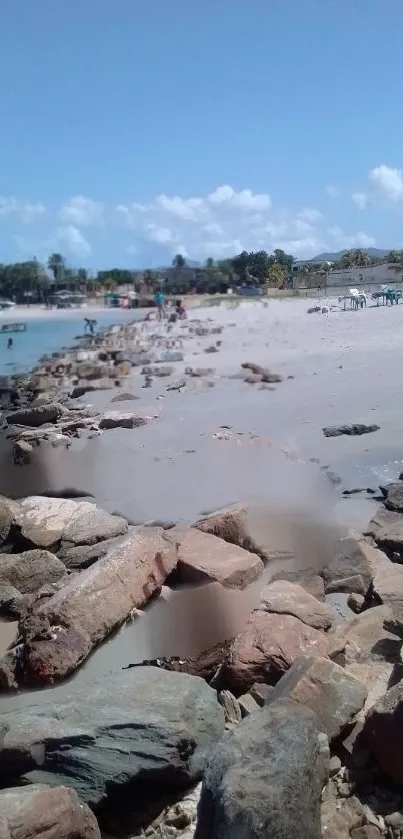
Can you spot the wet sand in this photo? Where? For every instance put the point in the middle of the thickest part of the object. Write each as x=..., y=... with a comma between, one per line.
x=346, y=368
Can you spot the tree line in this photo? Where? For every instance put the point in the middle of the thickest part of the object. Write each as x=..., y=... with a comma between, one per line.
x=32, y=280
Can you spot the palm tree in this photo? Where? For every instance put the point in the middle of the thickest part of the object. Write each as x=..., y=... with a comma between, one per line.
x=277, y=276
x=179, y=261
x=56, y=265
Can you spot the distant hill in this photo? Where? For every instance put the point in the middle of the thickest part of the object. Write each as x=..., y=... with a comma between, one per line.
x=334, y=257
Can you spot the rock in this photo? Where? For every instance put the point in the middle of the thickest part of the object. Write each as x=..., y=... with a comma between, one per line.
x=339, y=816
x=366, y=635
x=393, y=494
x=246, y=791
x=353, y=430
x=383, y=732
x=285, y=598
x=248, y=704
x=386, y=528
x=334, y=695
x=63, y=629
x=125, y=397
x=267, y=647
x=28, y=571
x=205, y=557
x=253, y=378
x=22, y=451
x=142, y=726
x=115, y=419
x=160, y=372
x=8, y=510
x=10, y=598
x=36, y=417
x=351, y=560
x=231, y=524
x=354, y=584
x=307, y=578
x=45, y=521
x=231, y=706
x=356, y=602
x=82, y=556
x=261, y=693
x=45, y=813
x=388, y=589
x=367, y=831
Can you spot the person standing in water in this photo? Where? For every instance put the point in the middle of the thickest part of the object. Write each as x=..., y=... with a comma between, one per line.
x=160, y=304
x=10, y=344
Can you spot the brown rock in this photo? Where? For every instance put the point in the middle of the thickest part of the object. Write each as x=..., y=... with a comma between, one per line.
x=45, y=521
x=62, y=630
x=115, y=419
x=287, y=598
x=367, y=636
x=44, y=812
x=35, y=417
x=367, y=831
x=351, y=560
x=231, y=524
x=307, y=578
x=334, y=695
x=205, y=557
x=267, y=647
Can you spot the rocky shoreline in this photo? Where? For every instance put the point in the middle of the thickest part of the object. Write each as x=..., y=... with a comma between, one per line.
x=291, y=728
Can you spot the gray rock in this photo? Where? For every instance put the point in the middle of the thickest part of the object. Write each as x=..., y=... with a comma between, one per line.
x=351, y=560
x=388, y=588
x=141, y=725
x=265, y=778
x=308, y=578
x=82, y=556
x=353, y=430
x=125, y=397
x=30, y=570
x=10, y=598
x=354, y=584
x=326, y=688
x=394, y=496
x=261, y=693
x=35, y=417
x=45, y=813
x=116, y=419
x=248, y=704
x=45, y=521
x=383, y=732
x=386, y=527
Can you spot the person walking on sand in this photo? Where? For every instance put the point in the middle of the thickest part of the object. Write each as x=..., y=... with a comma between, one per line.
x=160, y=304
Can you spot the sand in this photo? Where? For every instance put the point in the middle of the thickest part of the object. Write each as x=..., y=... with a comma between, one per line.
x=345, y=367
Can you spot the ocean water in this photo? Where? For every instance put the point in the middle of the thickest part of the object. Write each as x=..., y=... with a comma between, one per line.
x=49, y=334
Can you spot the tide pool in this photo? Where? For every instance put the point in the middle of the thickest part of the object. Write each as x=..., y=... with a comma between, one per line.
x=49, y=334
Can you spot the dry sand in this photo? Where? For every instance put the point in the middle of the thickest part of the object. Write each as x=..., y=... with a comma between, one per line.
x=346, y=368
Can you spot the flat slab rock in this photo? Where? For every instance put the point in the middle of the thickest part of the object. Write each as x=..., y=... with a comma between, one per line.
x=35, y=417
x=231, y=524
x=352, y=430
x=46, y=521
x=60, y=632
x=45, y=813
x=203, y=556
x=386, y=527
x=117, y=419
x=286, y=598
x=139, y=725
x=267, y=647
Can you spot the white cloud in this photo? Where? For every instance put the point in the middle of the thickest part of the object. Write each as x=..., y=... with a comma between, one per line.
x=310, y=214
x=25, y=211
x=81, y=211
x=333, y=190
x=356, y=240
x=71, y=237
x=161, y=235
x=388, y=181
x=360, y=199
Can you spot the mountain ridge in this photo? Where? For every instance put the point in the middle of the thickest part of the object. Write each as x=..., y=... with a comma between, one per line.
x=336, y=255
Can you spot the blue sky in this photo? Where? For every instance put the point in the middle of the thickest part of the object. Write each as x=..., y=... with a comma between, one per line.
x=135, y=129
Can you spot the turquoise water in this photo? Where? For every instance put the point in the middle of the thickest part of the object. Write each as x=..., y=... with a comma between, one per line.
x=48, y=335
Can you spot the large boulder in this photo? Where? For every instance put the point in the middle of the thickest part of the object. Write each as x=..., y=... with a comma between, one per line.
x=265, y=778
x=45, y=521
x=139, y=726
x=383, y=731
x=232, y=525
x=394, y=496
x=364, y=638
x=61, y=631
x=40, y=812
x=30, y=570
x=203, y=557
x=388, y=589
x=35, y=417
x=119, y=419
x=285, y=598
x=77, y=557
x=334, y=695
x=267, y=647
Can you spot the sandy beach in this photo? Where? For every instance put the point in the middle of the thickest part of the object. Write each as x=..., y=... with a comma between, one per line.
x=219, y=440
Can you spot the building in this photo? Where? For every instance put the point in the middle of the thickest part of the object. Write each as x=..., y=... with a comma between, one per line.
x=371, y=275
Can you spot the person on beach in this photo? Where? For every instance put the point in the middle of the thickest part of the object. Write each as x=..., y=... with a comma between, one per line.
x=10, y=344
x=180, y=310
x=160, y=304
x=89, y=324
